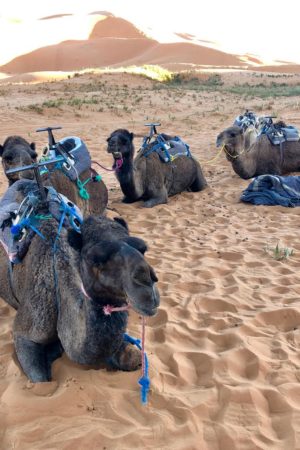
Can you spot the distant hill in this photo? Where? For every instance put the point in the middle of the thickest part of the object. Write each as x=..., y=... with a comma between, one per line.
x=115, y=27
x=115, y=42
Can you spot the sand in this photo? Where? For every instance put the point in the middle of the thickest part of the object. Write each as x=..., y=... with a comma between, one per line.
x=224, y=346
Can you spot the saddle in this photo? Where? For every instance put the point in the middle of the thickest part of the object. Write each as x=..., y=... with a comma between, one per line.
x=21, y=214
x=279, y=133
x=168, y=148
x=76, y=154
x=246, y=120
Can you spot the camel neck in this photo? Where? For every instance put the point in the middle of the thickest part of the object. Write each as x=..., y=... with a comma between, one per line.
x=126, y=177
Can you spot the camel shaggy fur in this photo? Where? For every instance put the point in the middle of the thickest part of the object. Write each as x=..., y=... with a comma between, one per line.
x=147, y=177
x=60, y=295
x=16, y=152
x=261, y=158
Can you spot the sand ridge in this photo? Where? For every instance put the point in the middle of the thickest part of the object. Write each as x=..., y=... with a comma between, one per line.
x=224, y=346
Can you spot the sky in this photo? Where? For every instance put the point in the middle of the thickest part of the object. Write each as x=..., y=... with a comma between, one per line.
x=257, y=27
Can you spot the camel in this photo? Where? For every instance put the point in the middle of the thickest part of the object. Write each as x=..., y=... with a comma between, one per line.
x=147, y=177
x=261, y=158
x=60, y=296
x=16, y=152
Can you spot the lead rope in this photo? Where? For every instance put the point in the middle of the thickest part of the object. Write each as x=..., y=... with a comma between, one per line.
x=115, y=168
x=144, y=381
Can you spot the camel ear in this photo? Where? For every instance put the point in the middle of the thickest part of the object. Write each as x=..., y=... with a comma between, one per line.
x=1, y=150
x=32, y=146
x=137, y=243
x=75, y=239
x=131, y=136
x=100, y=254
x=122, y=222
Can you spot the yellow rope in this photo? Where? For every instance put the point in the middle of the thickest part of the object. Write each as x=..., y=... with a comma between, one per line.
x=233, y=156
x=219, y=153
x=215, y=157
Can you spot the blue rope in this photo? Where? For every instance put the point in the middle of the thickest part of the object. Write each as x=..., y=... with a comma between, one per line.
x=25, y=223
x=144, y=381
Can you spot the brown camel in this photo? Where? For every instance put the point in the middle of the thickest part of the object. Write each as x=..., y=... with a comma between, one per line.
x=16, y=152
x=60, y=296
x=147, y=177
x=261, y=158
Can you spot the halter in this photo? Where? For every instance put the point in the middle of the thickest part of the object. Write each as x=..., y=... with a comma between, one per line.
x=229, y=154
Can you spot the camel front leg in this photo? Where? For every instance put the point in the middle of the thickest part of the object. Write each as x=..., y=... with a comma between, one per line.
x=36, y=359
x=128, y=358
x=158, y=198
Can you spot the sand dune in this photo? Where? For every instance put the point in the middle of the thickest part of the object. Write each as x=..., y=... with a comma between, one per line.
x=224, y=346
x=117, y=42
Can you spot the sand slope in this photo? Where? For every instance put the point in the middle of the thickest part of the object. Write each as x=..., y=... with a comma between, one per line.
x=224, y=347
x=116, y=42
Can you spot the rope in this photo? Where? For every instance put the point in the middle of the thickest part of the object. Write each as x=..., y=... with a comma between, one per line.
x=233, y=156
x=119, y=163
x=219, y=153
x=81, y=189
x=144, y=381
x=215, y=157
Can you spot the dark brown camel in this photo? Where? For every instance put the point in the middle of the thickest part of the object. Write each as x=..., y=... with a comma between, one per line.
x=16, y=152
x=261, y=158
x=59, y=296
x=147, y=177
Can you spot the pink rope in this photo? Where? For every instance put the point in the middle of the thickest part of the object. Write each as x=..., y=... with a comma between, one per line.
x=119, y=163
x=108, y=309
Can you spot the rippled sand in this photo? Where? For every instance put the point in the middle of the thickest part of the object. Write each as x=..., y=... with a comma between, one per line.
x=224, y=346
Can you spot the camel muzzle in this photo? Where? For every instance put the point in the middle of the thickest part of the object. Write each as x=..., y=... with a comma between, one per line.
x=117, y=155
x=219, y=142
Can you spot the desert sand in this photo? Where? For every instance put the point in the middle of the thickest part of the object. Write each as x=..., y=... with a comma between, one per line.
x=224, y=347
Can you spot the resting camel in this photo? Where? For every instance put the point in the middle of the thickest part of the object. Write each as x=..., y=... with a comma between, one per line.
x=16, y=152
x=147, y=177
x=261, y=158
x=60, y=296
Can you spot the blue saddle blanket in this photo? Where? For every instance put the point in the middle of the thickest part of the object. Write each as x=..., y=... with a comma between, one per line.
x=273, y=190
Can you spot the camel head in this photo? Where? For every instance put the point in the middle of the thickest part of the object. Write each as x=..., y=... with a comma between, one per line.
x=233, y=141
x=119, y=143
x=116, y=272
x=17, y=152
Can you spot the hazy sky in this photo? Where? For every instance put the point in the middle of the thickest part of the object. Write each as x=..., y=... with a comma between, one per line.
x=263, y=27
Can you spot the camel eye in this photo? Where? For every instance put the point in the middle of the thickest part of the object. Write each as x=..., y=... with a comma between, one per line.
x=232, y=135
x=123, y=141
x=8, y=158
x=141, y=277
